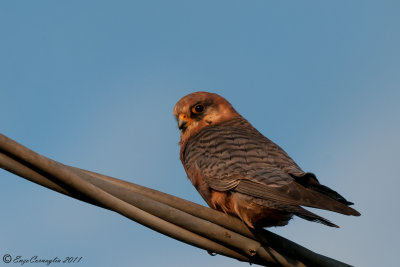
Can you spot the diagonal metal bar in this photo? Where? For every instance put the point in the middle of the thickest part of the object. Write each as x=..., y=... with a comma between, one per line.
x=170, y=215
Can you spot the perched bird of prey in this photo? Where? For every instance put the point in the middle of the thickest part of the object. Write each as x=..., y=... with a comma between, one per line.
x=239, y=171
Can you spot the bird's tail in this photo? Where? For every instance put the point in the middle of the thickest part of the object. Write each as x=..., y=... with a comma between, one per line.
x=326, y=194
x=308, y=215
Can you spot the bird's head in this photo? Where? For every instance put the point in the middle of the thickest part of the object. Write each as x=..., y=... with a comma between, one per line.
x=201, y=109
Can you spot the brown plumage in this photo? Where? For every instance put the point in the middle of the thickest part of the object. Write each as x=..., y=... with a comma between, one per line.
x=240, y=172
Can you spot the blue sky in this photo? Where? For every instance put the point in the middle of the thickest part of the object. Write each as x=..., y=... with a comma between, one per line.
x=93, y=83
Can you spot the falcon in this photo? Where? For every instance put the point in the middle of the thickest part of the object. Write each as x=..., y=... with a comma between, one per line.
x=240, y=172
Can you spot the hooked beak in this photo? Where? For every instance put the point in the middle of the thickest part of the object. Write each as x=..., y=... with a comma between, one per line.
x=183, y=121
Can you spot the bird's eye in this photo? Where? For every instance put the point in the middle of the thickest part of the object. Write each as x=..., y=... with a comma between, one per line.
x=198, y=109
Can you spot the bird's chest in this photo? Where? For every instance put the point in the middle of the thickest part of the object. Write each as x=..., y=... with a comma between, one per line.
x=195, y=176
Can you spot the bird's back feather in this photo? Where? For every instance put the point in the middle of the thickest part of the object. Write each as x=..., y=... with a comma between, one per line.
x=234, y=156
